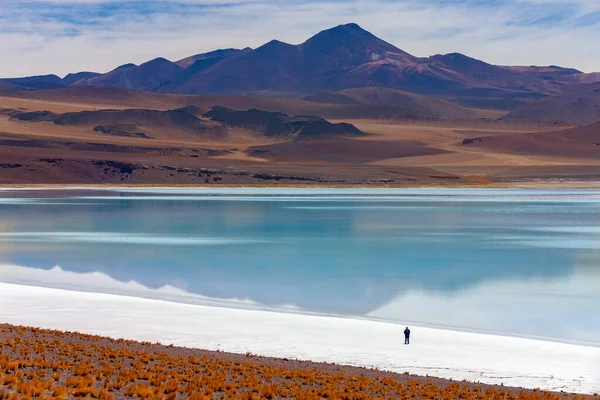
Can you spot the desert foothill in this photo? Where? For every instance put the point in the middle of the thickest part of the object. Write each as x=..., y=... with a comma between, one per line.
x=265, y=200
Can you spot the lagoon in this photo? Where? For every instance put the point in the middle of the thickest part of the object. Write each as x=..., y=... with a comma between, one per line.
x=510, y=262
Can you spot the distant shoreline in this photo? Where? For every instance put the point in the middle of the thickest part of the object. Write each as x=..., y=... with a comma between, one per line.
x=545, y=184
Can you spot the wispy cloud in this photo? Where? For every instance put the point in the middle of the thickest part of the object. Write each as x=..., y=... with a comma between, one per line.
x=61, y=36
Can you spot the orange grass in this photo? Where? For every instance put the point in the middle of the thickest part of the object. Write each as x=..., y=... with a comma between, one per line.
x=39, y=364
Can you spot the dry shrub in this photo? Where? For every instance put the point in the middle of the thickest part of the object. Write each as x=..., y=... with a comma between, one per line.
x=49, y=364
x=83, y=370
x=84, y=391
x=267, y=392
x=60, y=392
x=9, y=381
x=198, y=396
x=171, y=386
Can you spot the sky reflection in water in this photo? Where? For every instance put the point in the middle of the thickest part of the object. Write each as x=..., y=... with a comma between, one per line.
x=521, y=262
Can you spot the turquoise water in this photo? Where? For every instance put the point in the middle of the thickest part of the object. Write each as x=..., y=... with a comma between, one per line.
x=512, y=262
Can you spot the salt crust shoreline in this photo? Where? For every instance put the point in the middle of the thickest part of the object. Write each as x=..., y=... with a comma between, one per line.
x=441, y=353
x=558, y=184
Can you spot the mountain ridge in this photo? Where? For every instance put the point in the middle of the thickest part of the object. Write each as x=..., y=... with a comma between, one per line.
x=343, y=57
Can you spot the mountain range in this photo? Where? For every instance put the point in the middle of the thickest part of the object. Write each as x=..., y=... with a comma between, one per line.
x=342, y=57
x=346, y=65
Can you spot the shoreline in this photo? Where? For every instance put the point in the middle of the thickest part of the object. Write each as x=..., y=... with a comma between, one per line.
x=248, y=305
x=100, y=283
x=490, y=359
x=558, y=184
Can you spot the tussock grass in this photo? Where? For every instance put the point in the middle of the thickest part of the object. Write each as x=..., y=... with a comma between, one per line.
x=44, y=364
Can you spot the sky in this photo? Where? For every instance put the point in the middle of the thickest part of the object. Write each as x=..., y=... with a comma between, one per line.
x=62, y=36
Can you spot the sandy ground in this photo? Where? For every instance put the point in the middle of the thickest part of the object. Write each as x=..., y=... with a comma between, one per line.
x=400, y=153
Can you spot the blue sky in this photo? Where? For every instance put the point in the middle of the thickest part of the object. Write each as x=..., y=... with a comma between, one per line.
x=61, y=36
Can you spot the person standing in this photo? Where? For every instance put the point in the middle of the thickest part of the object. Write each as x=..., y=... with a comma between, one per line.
x=407, y=336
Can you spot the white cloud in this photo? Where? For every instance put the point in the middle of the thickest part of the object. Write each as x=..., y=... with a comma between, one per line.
x=61, y=36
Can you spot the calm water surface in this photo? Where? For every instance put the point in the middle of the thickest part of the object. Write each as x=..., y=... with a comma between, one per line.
x=504, y=261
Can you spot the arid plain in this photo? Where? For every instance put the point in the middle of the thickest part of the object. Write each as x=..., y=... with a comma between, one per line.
x=157, y=148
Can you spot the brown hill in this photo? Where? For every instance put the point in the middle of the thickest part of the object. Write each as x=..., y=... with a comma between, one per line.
x=576, y=105
x=129, y=122
x=100, y=97
x=32, y=116
x=135, y=122
x=278, y=125
x=577, y=142
x=396, y=152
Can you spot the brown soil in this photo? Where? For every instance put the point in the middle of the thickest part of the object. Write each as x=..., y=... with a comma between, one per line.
x=342, y=150
x=52, y=364
x=578, y=142
x=90, y=98
x=396, y=152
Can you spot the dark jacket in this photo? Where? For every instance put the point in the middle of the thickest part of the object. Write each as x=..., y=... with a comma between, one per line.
x=407, y=332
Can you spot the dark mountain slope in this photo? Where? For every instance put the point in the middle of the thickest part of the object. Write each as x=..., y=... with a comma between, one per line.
x=70, y=79
x=346, y=46
x=274, y=65
x=143, y=77
x=475, y=71
x=212, y=55
x=280, y=67
x=32, y=83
